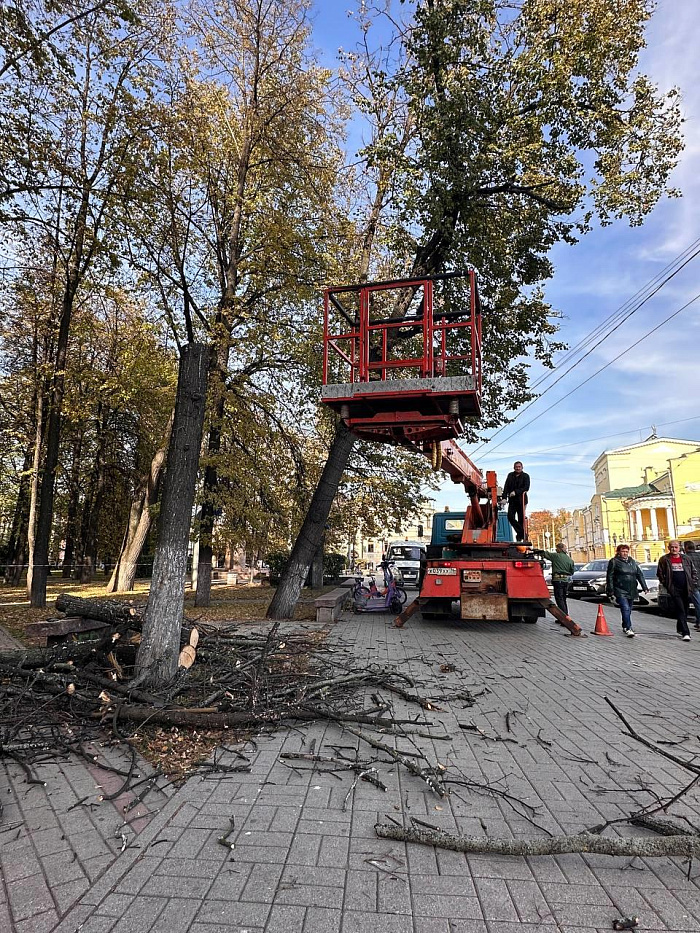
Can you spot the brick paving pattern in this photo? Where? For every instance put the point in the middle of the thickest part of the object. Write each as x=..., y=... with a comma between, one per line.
x=306, y=858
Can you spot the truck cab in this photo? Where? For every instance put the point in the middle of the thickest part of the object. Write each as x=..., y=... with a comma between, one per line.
x=406, y=557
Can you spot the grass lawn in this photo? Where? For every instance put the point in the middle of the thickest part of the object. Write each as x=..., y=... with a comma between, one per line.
x=228, y=603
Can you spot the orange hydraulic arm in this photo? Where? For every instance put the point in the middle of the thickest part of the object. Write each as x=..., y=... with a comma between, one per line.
x=481, y=520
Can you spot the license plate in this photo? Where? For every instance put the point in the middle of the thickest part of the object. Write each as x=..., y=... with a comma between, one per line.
x=471, y=576
x=579, y=587
x=442, y=571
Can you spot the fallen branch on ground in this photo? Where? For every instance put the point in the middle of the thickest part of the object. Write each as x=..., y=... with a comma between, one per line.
x=430, y=774
x=684, y=846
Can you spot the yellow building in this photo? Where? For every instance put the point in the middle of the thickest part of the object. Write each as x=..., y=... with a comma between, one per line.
x=645, y=494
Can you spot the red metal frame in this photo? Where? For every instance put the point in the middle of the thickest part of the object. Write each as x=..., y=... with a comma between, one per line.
x=361, y=375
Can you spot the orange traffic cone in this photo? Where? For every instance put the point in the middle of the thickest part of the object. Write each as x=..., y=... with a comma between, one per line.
x=601, y=626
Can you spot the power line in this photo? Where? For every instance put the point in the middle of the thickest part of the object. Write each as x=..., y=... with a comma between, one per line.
x=620, y=322
x=602, y=437
x=616, y=314
x=598, y=371
x=586, y=440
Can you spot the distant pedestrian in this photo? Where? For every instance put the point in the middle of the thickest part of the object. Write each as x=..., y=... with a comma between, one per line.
x=677, y=574
x=694, y=555
x=562, y=569
x=515, y=493
x=621, y=582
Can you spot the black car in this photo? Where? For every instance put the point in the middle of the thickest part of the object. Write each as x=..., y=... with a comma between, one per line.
x=589, y=580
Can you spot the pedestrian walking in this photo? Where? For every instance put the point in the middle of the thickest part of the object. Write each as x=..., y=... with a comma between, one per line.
x=562, y=569
x=694, y=556
x=515, y=492
x=677, y=574
x=621, y=582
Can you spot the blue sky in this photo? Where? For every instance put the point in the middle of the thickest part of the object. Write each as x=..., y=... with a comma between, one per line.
x=656, y=383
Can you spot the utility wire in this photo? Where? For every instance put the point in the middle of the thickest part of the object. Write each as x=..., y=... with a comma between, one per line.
x=602, y=437
x=587, y=440
x=597, y=372
x=605, y=336
x=583, y=343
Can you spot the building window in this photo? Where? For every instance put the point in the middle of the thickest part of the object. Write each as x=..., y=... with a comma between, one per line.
x=370, y=549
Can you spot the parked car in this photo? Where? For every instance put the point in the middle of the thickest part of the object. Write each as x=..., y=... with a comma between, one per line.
x=652, y=597
x=589, y=580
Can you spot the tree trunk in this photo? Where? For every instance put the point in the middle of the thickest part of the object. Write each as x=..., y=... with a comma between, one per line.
x=139, y=524
x=34, y=491
x=104, y=610
x=17, y=542
x=157, y=657
x=311, y=534
x=40, y=560
x=317, y=567
x=73, y=508
x=87, y=555
x=206, y=522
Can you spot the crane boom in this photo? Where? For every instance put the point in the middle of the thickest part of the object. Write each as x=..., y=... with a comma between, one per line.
x=460, y=468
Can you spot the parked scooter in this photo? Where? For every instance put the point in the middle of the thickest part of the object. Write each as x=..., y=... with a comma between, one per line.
x=371, y=599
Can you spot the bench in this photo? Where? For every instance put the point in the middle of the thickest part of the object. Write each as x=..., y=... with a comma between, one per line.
x=55, y=631
x=330, y=605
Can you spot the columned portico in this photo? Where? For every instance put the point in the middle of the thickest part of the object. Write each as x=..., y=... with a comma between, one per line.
x=670, y=524
x=654, y=525
x=651, y=524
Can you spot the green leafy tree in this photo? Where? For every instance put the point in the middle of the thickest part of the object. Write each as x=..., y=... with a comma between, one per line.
x=67, y=136
x=526, y=122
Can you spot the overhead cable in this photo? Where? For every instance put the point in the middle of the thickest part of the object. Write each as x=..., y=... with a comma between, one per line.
x=598, y=371
x=679, y=263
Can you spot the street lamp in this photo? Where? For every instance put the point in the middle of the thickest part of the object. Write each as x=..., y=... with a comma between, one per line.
x=547, y=536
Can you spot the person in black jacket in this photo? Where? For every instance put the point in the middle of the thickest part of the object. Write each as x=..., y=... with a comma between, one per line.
x=515, y=493
x=693, y=556
x=676, y=572
x=621, y=581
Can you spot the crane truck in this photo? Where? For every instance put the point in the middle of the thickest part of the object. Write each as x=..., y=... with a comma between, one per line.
x=399, y=370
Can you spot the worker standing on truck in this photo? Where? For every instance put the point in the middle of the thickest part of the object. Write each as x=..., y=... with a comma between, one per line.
x=562, y=569
x=515, y=493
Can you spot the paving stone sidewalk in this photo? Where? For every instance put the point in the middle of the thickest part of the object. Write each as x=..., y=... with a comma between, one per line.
x=540, y=752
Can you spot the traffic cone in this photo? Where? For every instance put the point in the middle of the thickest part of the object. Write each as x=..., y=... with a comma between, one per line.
x=601, y=626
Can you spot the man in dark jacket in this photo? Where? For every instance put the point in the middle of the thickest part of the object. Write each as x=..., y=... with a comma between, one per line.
x=694, y=556
x=678, y=575
x=515, y=493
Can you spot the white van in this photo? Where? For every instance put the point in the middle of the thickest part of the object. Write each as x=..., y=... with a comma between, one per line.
x=406, y=557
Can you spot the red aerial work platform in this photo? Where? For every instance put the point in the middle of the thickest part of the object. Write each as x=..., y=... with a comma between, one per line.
x=398, y=369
